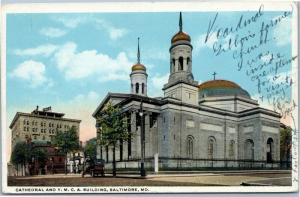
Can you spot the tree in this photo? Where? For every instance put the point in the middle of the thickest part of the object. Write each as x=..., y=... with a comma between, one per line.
x=40, y=156
x=21, y=154
x=285, y=143
x=113, y=126
x=90, y=149
x=67, y=141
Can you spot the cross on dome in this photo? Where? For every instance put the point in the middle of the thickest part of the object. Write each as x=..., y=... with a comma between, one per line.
x=214, y=74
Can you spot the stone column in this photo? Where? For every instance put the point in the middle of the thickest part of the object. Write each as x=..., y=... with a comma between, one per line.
x=137, y=146
x=176, y=65
x=125, y=150
x=257, y=140
x=148, y=151
x=156, y=163
x=240, y=144
x=117, y=151
x=158, y=135
x=110, y=153
x=98, y=156
x=134, y=134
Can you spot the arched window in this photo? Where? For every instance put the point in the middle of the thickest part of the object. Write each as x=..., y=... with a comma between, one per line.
x=137, y=88
x=143, y=88
x=231, y=148
x=131, y=87
x=211, y=148
x=190, y=146
x=270, y=150
x=187, y=61
x=180, y=63
x=249, y=149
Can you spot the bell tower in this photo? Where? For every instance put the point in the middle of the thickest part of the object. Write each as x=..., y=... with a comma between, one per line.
x=181, y=84
x=138, y=76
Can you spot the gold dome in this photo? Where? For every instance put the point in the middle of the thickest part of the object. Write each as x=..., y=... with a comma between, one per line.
x=138, y=67
x=181, y=36
x=218, y=84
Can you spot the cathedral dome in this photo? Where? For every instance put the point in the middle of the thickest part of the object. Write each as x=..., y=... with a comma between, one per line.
x=181, y=36
x=138, y=66
x=215, y=88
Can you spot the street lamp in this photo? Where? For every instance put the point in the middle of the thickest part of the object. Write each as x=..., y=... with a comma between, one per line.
x=143, y=171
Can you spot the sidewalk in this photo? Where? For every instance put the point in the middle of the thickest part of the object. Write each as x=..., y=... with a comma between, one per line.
x=150, y=175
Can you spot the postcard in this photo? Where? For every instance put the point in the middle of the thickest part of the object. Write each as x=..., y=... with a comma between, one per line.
x=130, y=97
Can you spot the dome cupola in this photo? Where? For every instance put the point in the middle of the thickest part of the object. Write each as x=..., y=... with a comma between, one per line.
x=138, y=76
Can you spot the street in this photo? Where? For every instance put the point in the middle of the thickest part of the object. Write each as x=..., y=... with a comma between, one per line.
x=255, y=178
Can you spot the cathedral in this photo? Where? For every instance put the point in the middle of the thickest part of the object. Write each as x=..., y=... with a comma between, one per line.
x=212, y=124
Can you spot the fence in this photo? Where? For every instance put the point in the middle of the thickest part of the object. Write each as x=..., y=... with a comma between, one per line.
x=177, y=164
x=165, y=164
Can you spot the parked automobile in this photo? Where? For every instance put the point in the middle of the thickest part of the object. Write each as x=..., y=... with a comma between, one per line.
x=94, y=168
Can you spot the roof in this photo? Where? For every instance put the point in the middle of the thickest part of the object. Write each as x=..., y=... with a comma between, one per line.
x=218, y=84
x=181, y=36
x=127, y=98
x=217, y=88
x=124, y=98
x=138, y=67
x=48, y=113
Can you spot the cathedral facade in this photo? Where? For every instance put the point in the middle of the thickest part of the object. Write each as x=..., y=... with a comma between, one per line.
x=212, y=124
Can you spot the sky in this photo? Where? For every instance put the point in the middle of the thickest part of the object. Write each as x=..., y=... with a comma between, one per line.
x=70, y=61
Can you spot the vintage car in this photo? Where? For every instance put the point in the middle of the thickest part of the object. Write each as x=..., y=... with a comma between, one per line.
x=94, y=168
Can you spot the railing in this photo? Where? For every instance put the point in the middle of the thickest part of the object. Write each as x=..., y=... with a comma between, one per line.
x=167, y=163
